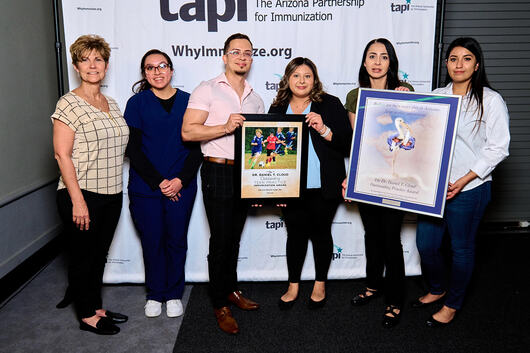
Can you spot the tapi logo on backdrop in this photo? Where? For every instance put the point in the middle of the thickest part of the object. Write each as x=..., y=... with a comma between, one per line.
x=400, y=7
x=273, y=86
x=336, y=255
x=404, y=75
x=274, y=225
x=205, y=10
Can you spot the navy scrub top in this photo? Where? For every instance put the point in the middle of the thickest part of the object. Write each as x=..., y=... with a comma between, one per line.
x=161, y=136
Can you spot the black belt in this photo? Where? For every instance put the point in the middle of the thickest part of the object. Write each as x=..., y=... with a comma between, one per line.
x=219, y=160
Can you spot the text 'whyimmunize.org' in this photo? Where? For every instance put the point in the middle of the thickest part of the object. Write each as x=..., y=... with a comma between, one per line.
x=203, y=51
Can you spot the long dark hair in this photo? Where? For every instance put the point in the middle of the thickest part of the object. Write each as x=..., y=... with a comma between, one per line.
x=392, y=78
x=284, y=92
x=143, y=84
x=479, y=80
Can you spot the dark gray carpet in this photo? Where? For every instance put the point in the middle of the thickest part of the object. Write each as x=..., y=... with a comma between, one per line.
x=29, y=322
x=495, y=318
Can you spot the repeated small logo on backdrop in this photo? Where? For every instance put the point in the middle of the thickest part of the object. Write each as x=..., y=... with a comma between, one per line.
x=274, y=224
x=404, y=75
x=400, y=7
x=339, y=253
x=273, y=86
x=336, y=254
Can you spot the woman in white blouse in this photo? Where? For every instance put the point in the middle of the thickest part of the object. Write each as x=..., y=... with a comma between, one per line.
x=482, y=142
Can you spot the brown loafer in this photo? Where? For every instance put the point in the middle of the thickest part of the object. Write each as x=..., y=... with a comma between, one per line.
x=226, y=321
x=241, y=302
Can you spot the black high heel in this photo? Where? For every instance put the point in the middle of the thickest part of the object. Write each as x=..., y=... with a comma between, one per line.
x=390, y=317
x=362, y=298
x=432, y=322
x=286, y=305
x=312, y=305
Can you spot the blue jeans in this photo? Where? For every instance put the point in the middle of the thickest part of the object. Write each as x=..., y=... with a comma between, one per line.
x=461, y=220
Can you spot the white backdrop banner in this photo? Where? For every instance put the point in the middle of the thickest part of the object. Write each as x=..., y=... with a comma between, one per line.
x=332, y=33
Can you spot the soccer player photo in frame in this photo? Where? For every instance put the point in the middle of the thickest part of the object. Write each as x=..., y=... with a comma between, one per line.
x=271, y=154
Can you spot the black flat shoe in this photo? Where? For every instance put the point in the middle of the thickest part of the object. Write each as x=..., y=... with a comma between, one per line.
x=67, y=299
x=116, y=318
x=362, y=298
x=103, y=327
x=391, y=318
x=312, y=305
x=286, y=305
x=433, y=323
x=419, y=304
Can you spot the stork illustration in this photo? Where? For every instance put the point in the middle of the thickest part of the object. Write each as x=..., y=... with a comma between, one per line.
x=402, y=139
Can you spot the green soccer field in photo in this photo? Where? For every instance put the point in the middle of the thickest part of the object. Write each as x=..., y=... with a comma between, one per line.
x=287, y=161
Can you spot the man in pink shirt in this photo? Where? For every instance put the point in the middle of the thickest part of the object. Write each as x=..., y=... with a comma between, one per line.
x=213, y=113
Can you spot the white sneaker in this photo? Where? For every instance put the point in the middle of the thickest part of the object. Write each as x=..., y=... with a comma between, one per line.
x=153, y=308
x=174, y=308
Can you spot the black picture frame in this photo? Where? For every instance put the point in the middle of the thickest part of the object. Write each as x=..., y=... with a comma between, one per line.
x=285, y=176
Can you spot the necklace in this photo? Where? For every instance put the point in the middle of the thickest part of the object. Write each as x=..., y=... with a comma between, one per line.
x=299, y=107
x=99, y=103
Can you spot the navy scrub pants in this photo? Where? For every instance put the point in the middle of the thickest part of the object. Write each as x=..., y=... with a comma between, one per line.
x=163, y=228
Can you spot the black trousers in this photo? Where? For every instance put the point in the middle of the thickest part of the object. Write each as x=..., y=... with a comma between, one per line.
x=309, y=218
x=88, y=249
x=226, y=215
x=382, y=240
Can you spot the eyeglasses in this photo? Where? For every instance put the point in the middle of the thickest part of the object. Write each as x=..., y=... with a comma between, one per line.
x=162, y=68
x=237, y=53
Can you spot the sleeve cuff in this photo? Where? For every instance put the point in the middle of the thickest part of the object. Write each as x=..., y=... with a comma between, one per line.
x=198, y=106
x=482, y=169
x=63, y=120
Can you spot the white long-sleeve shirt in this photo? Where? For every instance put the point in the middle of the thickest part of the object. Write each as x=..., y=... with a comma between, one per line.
x=479, y=148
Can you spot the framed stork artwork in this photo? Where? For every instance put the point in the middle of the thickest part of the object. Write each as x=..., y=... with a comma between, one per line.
x=402, y=150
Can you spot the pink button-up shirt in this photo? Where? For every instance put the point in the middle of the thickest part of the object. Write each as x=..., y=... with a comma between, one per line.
x=219, y=99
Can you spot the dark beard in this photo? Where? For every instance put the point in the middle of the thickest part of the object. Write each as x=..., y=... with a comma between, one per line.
x=240, y=73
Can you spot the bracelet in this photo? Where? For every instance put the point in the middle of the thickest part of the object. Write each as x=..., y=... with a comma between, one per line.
x=323, y=131
x=326, y=133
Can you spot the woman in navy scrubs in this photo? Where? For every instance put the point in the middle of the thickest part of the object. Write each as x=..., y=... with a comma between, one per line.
x=162, y=183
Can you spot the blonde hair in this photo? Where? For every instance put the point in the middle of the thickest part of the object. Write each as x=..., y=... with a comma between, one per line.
x=258, y=130
x=89, y=42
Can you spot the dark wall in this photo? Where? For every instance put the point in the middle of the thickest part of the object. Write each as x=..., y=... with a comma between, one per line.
x=28, y=93
x=503, y=30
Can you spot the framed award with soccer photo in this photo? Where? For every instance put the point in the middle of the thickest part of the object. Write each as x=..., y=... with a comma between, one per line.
x=402, y=149
x=271, y=157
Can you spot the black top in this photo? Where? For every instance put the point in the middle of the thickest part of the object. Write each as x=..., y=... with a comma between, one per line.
x=330, y=153
x=167, y=104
